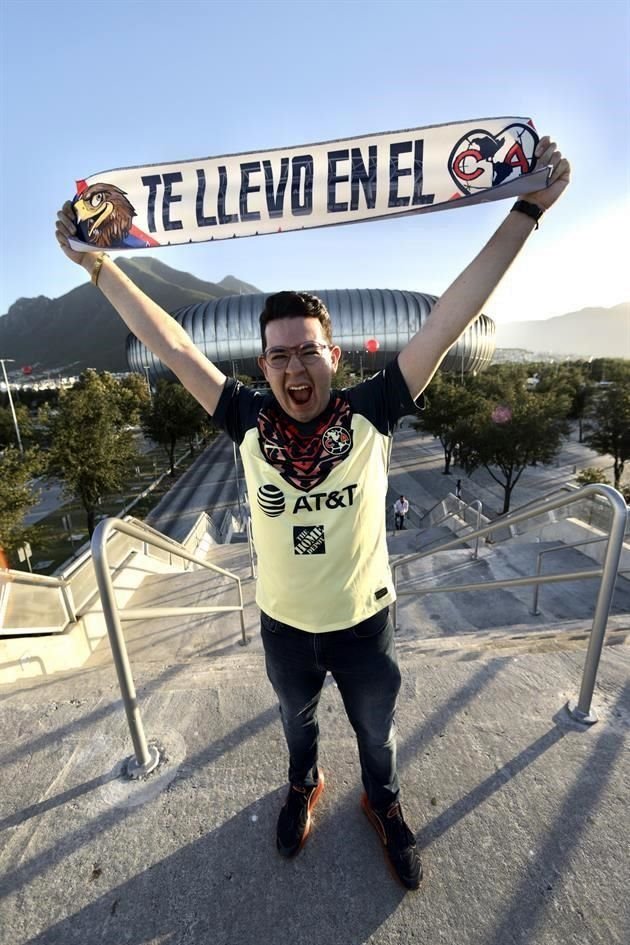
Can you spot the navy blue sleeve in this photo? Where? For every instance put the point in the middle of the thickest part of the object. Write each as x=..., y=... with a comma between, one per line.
x=238, y=409
x=384, y=398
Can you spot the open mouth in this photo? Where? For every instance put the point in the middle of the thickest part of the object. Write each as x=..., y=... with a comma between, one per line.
x=300, y=394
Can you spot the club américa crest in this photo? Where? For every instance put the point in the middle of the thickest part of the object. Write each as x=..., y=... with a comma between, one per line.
x=337, y=441
x=481, y=159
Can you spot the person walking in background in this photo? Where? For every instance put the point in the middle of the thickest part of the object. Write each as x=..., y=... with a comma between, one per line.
x=401, y=508
x=458, y=489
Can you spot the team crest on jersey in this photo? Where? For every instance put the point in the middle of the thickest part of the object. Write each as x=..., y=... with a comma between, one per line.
x=305, y=460
x=337, y=441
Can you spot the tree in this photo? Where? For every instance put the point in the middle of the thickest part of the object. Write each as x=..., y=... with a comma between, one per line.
x=447, y=406
x=590, y=475
x=135, y=397
x=580, y=405
x=8, y=435
x=17, y=496
x=344, y=376
x=609, y=426
x=616, y=370
x=90, y=449
x=173, y=414
x=522, y=429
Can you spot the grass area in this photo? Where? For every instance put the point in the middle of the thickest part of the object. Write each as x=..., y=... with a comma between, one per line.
x=53, y=545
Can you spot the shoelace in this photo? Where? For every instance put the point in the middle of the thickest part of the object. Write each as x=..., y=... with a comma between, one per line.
x=297, y=802
x=396, y=828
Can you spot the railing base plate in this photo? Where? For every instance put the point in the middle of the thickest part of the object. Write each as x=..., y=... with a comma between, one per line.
x=585, y=718
x=136, y=771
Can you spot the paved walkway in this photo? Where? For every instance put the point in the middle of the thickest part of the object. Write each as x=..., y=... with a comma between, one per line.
x=521, y=815
x=418, y=464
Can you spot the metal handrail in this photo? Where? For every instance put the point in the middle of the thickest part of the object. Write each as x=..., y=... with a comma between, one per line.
x=580, y=710
x=576, y=544
x=175, y=545
x=459, y=513
x=146, y=759
x=433, y=507
x=44, y=580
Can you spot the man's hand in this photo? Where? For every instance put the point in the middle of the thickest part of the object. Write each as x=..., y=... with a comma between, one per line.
x=67, y=227
x=547, y=153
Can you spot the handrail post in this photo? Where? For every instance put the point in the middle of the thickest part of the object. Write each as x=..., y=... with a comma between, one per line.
x=581, y=710
x=66, y=593
x=250, y=542
x=146, y=758
x=244, y=639
x=535, y=611
x=479, y=506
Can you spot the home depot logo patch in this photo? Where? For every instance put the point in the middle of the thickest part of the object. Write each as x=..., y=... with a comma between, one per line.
x=309, y=540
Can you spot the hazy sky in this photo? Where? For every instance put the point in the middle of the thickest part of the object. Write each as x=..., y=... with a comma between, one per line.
x=89, y=86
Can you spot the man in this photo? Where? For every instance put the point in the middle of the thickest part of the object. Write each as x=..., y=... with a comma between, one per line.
x=401, y=507
x=315, y=461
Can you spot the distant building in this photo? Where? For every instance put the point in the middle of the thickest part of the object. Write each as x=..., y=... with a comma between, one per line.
x=227, y=331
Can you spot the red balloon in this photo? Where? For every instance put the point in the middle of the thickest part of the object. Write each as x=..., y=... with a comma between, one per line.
x=372, y=345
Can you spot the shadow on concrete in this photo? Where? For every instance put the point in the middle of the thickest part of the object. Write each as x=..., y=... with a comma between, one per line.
x=72, y=794
x=78, y=724
x=415, y=744
x=218, y=890
x=448, y=818
x=48, y=859
x=524, y=913
x=353, y=864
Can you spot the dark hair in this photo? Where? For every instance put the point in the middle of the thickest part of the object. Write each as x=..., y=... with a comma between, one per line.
x=294, y=305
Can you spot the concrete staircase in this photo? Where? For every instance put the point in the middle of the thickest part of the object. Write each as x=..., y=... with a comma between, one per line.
x=517, y=809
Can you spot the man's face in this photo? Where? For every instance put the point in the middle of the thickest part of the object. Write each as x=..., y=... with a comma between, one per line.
x=302, y=390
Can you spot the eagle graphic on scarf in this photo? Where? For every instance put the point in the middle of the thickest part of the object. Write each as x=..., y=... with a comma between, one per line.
x=105, y=218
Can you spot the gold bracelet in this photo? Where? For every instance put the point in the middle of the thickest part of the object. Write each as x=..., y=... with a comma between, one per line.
x=100, y=259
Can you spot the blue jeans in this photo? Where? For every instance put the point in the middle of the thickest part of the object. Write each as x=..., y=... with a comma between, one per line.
x=362, y=661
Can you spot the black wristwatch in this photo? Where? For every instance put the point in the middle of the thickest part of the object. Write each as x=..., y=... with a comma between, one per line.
x=529, y=209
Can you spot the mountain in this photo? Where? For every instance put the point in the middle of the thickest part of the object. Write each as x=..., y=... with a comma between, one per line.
x=236, y=287
x=591, y=332
x=81, y=329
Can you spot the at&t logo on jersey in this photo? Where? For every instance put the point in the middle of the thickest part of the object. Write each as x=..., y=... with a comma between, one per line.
x=271, y=500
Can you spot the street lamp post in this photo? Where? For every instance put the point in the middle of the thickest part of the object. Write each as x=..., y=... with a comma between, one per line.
x=238, y=485
x=4, y=361
x=146, y=371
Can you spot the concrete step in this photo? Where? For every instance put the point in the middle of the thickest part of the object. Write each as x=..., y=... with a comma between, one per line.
x=515, y=809
x=455, y=613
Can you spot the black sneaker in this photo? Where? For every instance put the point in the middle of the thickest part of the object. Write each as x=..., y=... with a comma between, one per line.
x=398, y=840
x=294, y=822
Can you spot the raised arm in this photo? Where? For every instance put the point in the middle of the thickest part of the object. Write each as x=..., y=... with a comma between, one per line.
x=464, y=299
x=148, y=321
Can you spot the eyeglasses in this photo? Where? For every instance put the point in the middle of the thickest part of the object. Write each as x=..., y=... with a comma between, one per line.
x=309, y=352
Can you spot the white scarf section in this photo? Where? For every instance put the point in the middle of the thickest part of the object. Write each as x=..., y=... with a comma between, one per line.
x=352, y=180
